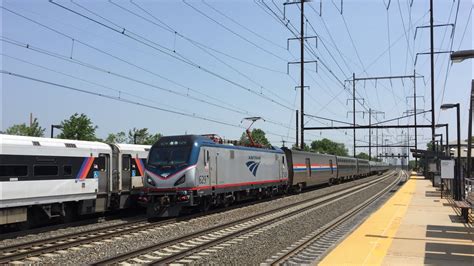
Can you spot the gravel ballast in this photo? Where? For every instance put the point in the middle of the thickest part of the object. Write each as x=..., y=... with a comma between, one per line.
x=248, y=252
x=257, y=249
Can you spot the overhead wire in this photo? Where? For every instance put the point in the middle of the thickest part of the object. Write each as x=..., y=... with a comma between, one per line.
x=204, y=48
x=10, y=73
x=120, y=99
x=258, y=35
x=233, y=32
x=157, y=47
x=448, y=68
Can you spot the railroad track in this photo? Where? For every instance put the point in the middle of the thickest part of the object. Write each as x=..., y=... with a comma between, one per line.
x=185, y=249
x=312, y=247
x=29, y=250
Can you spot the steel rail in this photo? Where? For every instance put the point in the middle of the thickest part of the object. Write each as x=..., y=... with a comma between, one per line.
x=41, y=246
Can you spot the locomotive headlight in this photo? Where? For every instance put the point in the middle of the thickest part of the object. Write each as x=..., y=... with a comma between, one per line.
x=180, y=180
x=150, y=181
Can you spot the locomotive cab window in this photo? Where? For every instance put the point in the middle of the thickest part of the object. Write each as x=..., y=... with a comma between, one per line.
x=45, y=170
x=13, y=170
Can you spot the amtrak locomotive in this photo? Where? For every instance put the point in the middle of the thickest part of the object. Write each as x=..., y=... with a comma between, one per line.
x=191, y=171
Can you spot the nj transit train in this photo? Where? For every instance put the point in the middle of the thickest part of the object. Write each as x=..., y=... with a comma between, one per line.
x=43, y=178
x=194, y=171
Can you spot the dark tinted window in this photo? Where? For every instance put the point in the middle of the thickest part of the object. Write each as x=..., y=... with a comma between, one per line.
x=100, y=161
x=169, y=156
x=126, y=162
x=45, y=170
x=13, y=170
x=67, y=169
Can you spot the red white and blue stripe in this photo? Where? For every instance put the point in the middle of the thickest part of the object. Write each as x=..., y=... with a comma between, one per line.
x=85, y=168
x=314, y=167
x=140, y=166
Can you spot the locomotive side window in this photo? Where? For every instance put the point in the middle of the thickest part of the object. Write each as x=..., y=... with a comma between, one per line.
x=13, y=170
x=126, y=162
x=45, y=170
x=101, y=163
x=308, y=167
x=67, y=170
x=206, y=156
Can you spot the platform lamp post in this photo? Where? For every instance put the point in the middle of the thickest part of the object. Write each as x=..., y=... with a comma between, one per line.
x=447, y=136
x=456, y=57
x=457, y=179
x=53, y=127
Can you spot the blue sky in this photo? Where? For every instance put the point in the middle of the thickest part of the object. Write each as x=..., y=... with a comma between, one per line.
x=236, y=54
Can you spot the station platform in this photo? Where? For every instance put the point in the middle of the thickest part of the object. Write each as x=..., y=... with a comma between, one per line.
x=414, y=227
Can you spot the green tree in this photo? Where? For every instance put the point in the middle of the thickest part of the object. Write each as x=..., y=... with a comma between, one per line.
x=429, y=146
x=79, y=127
x=152, y=139
x=258, y=136
x=363, y=155
x=329, y=147
x=411, y=164
x=142, y=136
x=119, y=137
x=297, y=147
x=137, y=136
x=35, y=130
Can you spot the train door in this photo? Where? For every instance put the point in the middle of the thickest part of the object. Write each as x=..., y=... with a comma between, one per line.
x=215, y=181
x=115, y=169
x=210, y=166
x=281, y=165
x=101, y=171
x=127, y=172
x=331, y=168
x=308, y=167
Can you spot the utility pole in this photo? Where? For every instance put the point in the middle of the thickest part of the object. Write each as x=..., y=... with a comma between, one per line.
x=414, y=107
x=354, y=111
x=370, y=134
x=432, y=74
x=302, y=74
x=377, y=142
x=297, y=129
x=301, y=39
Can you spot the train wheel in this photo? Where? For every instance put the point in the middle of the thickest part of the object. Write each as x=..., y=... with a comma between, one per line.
x=299, y=188
x=70, y=213
x=205, y=204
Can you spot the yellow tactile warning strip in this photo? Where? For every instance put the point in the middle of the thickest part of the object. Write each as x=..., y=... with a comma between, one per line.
x=369, y=243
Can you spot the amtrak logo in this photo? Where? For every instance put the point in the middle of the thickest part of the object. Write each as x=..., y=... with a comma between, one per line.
x=253, y=166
